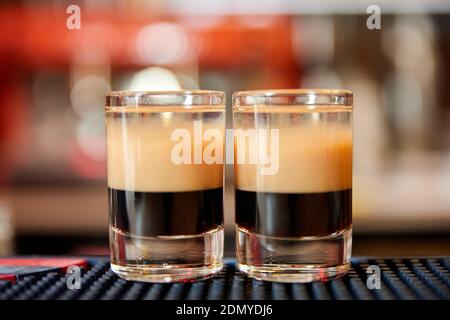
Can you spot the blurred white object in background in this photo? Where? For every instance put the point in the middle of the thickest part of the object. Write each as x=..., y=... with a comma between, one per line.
x=153, y=48
x=6, y=230
x=154, y=79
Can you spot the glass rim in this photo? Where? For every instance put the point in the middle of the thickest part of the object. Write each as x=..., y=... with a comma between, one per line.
x=131, y=98
x=163, y=92
x=293, y=97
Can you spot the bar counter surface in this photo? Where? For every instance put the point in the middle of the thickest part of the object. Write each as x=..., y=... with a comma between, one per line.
x=400, y=279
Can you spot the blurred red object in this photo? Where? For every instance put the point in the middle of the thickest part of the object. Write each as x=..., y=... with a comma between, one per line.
x=39, y=38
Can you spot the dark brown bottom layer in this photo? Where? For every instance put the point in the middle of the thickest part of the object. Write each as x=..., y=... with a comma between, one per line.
x=166, y=213
x=294, y=214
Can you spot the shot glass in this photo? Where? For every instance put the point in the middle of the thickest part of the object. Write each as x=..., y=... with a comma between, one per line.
x=293, y=183
x=165, y=184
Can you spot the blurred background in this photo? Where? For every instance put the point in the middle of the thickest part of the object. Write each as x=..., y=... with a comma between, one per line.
x=53, y=197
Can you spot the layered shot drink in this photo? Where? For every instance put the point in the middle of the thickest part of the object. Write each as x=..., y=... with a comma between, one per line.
x=293, y=183
x=165, y=184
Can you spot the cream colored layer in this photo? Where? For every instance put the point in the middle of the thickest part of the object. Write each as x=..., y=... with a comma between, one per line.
x=311, y=159
x=139, y=156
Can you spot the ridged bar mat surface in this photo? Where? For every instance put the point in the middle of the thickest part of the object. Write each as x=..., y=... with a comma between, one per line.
x=399, y=278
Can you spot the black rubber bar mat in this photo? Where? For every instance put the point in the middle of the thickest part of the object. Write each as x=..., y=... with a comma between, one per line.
x=399, y=278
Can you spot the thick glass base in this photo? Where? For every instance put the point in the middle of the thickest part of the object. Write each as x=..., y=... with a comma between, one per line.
x=176, y=273
x=303, y=259
x=168, y=258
